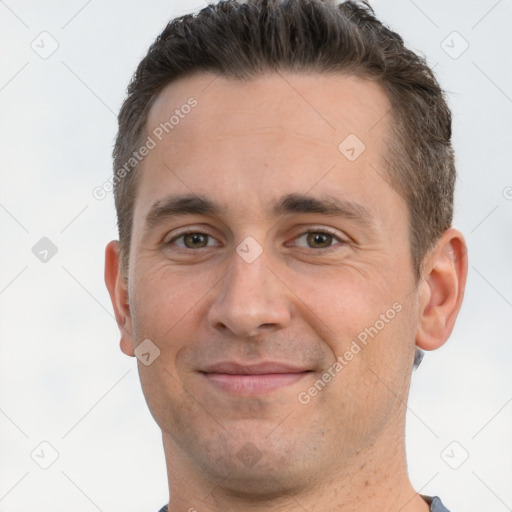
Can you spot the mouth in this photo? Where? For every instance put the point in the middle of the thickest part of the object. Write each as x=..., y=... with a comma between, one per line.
x=253, y=379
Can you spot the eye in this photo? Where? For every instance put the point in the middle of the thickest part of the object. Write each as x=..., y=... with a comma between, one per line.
x=193, y=240
x=317, y=240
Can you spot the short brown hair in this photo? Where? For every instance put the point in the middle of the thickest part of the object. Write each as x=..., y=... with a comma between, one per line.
x=243, y=40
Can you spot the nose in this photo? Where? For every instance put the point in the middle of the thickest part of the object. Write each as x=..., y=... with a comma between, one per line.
x=251, y=299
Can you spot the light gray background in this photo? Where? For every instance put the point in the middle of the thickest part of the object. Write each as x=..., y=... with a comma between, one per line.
x=63, y=379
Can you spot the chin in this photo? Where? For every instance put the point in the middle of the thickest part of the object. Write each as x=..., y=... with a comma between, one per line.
x=252, y=466
x=261, y=483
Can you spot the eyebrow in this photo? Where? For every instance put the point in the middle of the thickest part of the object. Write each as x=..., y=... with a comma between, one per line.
x=326, y=205
x=191, y=204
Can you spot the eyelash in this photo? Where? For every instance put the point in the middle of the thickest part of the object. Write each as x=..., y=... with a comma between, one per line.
x=323, y=231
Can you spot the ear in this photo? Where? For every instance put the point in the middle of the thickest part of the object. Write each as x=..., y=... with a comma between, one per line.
x=442, y=290
x=118, y=290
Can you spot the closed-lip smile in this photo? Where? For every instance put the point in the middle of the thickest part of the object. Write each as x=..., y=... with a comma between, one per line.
x=252, y=378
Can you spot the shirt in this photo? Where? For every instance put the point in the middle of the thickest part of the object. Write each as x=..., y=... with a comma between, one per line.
x=435, y=505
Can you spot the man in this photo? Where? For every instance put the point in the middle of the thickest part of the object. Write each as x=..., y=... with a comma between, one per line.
x=284, y=189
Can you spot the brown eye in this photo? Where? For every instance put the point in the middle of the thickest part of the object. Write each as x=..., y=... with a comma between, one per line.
x=319, y=240
x=195, y=240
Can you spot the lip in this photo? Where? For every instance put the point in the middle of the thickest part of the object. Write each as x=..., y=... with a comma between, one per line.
x=265, y=367
x=253, y=379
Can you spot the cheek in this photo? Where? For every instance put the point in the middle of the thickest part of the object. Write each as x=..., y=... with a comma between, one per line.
x=167, y=300
x=169, y=307
x=165, y=309
x=349, y=299
x=370, y=323
x=370, y=390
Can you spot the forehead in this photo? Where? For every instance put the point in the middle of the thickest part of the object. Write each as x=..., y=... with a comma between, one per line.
x=317, y=106
x=267, y=136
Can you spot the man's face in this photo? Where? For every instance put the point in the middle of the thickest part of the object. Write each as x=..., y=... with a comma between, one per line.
x=288, y=261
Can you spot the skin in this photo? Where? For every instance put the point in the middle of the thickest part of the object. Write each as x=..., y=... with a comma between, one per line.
x=302, y=301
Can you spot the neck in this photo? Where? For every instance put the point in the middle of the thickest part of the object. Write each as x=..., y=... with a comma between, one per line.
x=373, y=479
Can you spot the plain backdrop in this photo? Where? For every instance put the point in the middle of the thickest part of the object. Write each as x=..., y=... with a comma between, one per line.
x=63, y=379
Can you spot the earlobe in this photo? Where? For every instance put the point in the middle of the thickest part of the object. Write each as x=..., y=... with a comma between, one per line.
x=118, y=291
x=442, y=290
